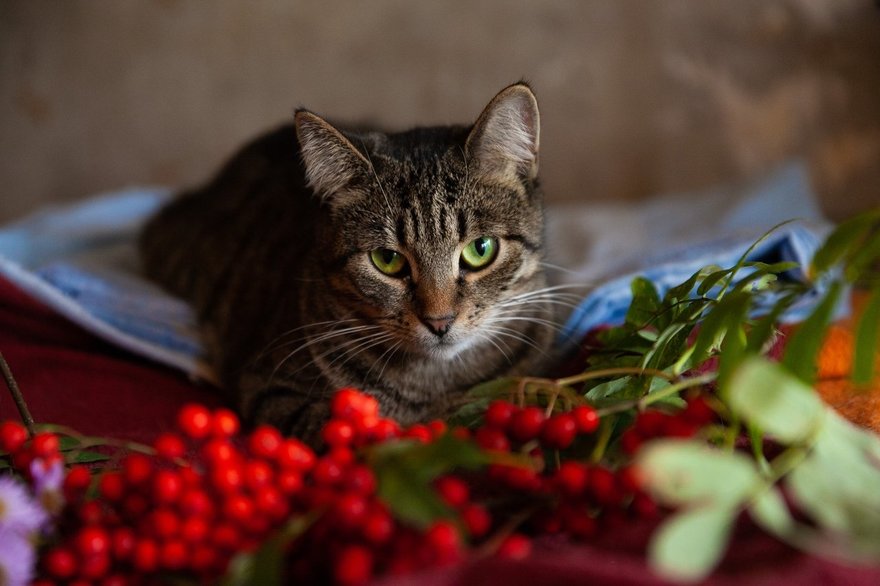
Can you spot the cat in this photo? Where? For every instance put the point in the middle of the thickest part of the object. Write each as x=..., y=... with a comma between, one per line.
x=405, y=264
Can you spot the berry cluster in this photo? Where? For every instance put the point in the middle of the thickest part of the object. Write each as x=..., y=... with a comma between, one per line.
x=654, y=424
x=205, y=493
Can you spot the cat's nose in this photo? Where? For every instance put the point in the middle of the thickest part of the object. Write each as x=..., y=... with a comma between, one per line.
x=439, y=326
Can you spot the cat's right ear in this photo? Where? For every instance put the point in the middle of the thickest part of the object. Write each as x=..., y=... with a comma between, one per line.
x=331, y=162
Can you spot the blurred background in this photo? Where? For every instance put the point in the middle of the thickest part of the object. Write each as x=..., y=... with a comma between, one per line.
x=637, y=97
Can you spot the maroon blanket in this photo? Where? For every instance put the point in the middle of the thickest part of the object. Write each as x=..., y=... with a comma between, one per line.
x=70, y=377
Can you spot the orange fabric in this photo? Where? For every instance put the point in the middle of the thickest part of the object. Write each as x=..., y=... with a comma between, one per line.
x=861, y=405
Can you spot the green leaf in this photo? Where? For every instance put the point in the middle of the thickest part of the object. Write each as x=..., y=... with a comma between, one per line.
x=690, y=544
x=684, y=290
x=803, y=347
x=867, y=340
x=867, y=254
x=645, y=303
x=88, y=457
x=405, y=470
x=728, y=313
x=265, y=566
x=711, y=280
x=764, y=328
x=765, y=394
x=842, y=239
x=770, y=511
x=475, y=401
x=688, y=472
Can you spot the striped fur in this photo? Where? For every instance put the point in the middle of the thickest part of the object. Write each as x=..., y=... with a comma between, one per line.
x=274, y=254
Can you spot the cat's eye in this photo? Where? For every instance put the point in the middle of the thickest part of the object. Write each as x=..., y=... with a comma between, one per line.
x=479, y=253
x=390, y=262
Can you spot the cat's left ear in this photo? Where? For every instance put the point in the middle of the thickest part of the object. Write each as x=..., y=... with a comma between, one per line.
x=504, y=140
x=331, y=161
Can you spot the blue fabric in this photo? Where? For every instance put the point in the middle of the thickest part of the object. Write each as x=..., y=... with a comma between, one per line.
x=82, y=261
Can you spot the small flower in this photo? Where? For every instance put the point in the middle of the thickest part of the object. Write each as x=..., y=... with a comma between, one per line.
x=19, y=512
x=17, y=558
x=48, y=479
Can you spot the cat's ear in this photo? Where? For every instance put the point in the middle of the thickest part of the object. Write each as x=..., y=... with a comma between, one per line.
x=504, y=140
x=331, y=161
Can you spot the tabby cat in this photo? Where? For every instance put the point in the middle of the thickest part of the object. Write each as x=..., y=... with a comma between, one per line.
x=406, y=264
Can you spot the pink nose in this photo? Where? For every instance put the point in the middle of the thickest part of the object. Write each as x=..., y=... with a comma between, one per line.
x=439, y=326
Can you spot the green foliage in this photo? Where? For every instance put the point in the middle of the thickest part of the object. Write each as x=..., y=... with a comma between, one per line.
x=406, y=469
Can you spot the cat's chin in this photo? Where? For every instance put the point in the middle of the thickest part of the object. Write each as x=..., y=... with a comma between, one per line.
x=446, y=348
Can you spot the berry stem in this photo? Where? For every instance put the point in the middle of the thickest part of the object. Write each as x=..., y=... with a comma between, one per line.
x=606, y=372
x=20, y=404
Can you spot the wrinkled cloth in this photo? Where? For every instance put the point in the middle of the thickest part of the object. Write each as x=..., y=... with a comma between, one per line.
x=81, y=261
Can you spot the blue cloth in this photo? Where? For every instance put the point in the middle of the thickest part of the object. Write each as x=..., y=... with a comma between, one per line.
x=81, y=260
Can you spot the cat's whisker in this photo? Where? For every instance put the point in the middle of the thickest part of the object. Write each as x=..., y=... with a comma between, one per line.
x=535, y=320
x=271, y=346
x=486, y=334
x=516, y=335
x=370, y=343
x=391, y=352
x=322, y=338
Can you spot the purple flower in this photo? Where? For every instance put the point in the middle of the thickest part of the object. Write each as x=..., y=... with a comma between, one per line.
x=20, y=513
x=17, y=558
x=47, y=484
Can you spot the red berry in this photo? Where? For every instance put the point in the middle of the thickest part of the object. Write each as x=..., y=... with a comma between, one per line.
x=169, y=446
x=94, y=566
x=194, y=421
x=167, y=486
x=491, y=439
x=289, y=481
x=559, y=431
x=60, y=562
x=265, y=441
x=217, y=451
x=443, y=539
x=630, y=441
x=580, y=524
x=351, y=404
x=45, y=445
x=360, y=479
x=377, y=527
x=526, y=424
x=164, y=523
x=224, y=423
x=354, y=565
x=196, y=503
x=90, y=513
x=145, y=556
x=13, y=435
x=122, y=542
x=257, y=474
x=644, y=506
x=327, y=472
x=92, y=540
x=337, y=433
x=76, y=482
x=419, y=433
x=136, y=468
x=295, y=455
x=515, y=547
x=227, y=478
x=586, y=418
x=453, y=491
x=679, y=427
x=698, y=411
x=238, y=508
x=270, y=501
x=350, y=510
x=438, y=427
x=173, y=554
x=603, y=486
x=499, y=413
x=384, y=429
x=111, y=486
x=572, y=478
x=630, y=479
x=477, y=520
x=650, y=423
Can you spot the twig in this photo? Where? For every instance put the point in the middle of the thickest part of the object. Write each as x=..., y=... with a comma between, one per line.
x=17, y=396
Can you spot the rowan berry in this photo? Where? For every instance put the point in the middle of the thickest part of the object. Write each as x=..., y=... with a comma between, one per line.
x=76, y=482
x=137, y=469
x=515, y=547
x=337, y=433
x=526, y=424
x=586, y=418
x=167, y=486
x=572, y=478
x=173, y=554
x=477, y=520
x=295, y=455
x=93, y=567
x=60, y=562
x=169, y=446
x=353, y=565
x=453, y=491
x=224, y=423
x=45, y=445
x=491, y=439
x=377, y=527
x=194, y=421
x=265, y=441
x=92, y=540
x=418, y=432
x=360, y=479
x=111, y=485
x=122, y=542
x=499, y=413
x=145, y=556
x=559, y=431
x=13, y=435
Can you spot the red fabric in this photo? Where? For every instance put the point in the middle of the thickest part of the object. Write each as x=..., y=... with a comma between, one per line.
x=70, y=377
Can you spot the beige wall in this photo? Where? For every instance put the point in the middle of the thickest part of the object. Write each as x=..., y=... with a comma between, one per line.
x=637, y=96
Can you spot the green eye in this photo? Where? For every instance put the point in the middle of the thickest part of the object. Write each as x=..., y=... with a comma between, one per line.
x=479, y=252
x=388, y=261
